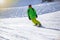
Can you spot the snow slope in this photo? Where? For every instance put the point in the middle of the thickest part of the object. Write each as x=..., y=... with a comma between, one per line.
x=51, y=20
x=23, y=29
x=22, y=11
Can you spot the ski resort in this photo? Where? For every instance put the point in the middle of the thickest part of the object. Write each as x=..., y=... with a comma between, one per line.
x=15, y=25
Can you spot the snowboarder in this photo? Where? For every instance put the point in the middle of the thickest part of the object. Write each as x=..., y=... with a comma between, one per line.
x=32, y=16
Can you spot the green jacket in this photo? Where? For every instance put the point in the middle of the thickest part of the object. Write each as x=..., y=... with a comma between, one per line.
x=31, y=13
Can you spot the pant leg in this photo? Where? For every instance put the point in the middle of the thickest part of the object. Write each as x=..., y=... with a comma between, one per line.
x=35, y=21
x=38, y=22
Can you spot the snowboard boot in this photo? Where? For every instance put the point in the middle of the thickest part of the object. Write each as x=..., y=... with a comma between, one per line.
x=35, y=24
x=39, y=25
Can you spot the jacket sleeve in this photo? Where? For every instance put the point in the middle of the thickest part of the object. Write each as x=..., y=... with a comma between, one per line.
x=35, y=12
x=28, y=15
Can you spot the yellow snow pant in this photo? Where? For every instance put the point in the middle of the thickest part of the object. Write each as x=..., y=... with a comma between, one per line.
x=35, y=21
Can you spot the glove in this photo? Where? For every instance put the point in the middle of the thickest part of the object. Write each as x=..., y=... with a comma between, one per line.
x=36, y=16
x=29, y=18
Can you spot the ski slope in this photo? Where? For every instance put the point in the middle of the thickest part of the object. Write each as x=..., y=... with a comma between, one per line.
x=22, y=28
x=22, y=11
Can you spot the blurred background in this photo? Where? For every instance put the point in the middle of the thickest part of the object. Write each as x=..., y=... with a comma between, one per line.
x=18, y=8
x=18, y=3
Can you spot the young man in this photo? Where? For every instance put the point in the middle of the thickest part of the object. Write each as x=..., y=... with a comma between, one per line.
x=32, y=16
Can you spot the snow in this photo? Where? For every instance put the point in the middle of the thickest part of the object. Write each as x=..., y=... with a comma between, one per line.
x=51, y=20
x=22, y=28
x=22, y=11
